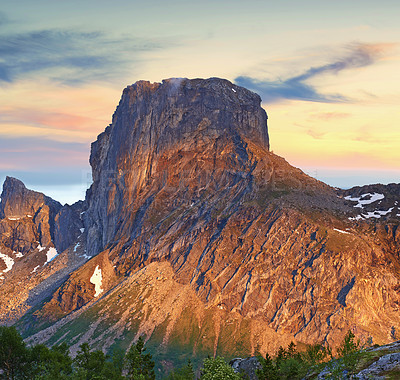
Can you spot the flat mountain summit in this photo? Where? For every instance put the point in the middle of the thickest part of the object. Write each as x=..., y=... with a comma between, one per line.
x=199, y=238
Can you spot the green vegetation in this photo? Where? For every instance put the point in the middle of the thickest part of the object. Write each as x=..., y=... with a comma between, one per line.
x=17, y=361
x=290, y=363
x=139, y=365
x=218, y=369
x=184, y=373
x=38, y=362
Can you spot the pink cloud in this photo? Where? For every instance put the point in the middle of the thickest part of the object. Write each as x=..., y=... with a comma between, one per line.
x=53, y=120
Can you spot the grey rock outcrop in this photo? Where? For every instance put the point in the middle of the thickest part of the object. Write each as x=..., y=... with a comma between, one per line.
x=377, y=370
x=247, y=367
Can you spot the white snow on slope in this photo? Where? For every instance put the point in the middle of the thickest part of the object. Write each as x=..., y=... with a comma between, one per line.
x=361, y=201
x=358, y=217
x=51, y=254
x=40, y=248
x=377, y=213
x=36, y=268
x=96, y=279
x=19, y=255
x=76, y=246
x=341, y=231
x=8, y=261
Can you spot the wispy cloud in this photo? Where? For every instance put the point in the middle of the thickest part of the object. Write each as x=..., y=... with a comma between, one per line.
x=69, y=56
x=327, y=116
x=296, y=87
x=48, y=119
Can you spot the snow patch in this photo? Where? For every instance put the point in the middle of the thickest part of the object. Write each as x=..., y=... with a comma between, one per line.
x=8, y=261
x=377, y=213
x=82, y=230
x=358, y=217
x=51, y=254
x=40, y=248
x=76, y=246
x=233, y=90
x=36, y=268
x=19, y=255
x=96, y=279
x=341, y=231
x=361, y=201
x=13, y=218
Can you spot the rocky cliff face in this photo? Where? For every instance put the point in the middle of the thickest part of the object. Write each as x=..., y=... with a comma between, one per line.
x=207, y=242
x=189, y=132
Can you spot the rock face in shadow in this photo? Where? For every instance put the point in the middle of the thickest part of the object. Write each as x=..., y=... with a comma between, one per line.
x=69, y=225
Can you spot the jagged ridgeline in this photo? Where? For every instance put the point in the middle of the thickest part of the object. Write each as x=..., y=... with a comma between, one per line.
x=197, y=237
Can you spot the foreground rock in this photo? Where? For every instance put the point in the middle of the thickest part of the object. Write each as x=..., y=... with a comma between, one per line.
x=246, y=367
x=380, y=369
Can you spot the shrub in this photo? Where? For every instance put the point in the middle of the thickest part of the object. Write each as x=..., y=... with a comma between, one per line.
x=217, y=369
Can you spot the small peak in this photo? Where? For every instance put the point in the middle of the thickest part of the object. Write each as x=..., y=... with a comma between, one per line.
x=18, y=201
x=13, y=183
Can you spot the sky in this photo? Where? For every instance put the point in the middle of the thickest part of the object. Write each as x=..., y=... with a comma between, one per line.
x=328, y=74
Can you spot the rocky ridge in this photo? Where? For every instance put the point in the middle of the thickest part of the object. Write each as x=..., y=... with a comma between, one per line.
x=36, y=232
x=254, y=253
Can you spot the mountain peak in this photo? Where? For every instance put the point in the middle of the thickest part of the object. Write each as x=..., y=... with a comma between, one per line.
x=204, y=97
x=13, y=183
x=199, y=130
x=17, y=201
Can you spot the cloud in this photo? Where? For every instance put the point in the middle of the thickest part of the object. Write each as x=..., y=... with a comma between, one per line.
x=296, y=88
x=41, y=154
x=315, y=133
x=48, y=119
x=71, y=57
x=326, y=116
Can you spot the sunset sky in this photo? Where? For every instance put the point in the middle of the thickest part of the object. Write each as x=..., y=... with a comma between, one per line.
x=328, y=74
